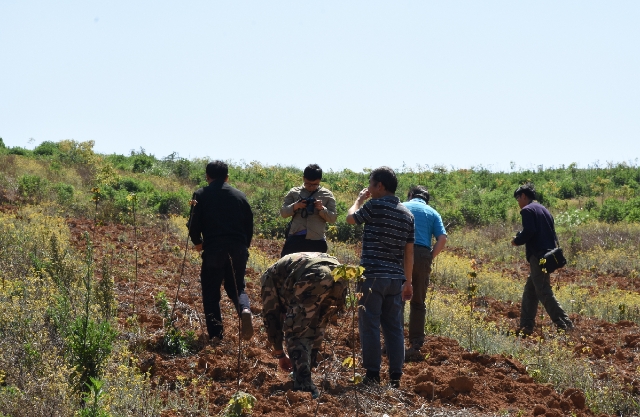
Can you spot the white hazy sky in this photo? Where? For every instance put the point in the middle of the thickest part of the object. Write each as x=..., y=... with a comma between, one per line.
x=346, y=84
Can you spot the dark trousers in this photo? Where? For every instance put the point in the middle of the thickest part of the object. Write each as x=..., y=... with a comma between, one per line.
x=422, y=259
x=382, y=301
x=295, y=244
x=222, y=266
x=538, y=288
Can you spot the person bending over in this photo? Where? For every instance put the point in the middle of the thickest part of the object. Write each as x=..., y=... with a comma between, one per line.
x=299, y=296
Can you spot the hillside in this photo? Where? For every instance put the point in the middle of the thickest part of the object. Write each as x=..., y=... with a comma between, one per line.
x=100, y=295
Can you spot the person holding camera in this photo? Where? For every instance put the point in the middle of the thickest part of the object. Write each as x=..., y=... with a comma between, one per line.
x=311, y=207
x=538, y=234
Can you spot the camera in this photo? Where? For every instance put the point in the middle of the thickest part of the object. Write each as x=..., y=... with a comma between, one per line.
x=310, y=204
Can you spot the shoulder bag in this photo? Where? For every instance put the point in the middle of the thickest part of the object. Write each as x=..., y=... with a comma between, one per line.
x=553, y=259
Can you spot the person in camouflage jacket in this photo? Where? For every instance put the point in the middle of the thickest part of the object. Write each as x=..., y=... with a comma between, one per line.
x=299, y=296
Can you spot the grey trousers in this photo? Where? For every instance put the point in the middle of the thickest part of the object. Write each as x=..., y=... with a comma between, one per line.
x=538, y=288
x=422, y=259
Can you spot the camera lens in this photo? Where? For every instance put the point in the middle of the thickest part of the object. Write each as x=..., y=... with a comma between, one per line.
x=310, y=205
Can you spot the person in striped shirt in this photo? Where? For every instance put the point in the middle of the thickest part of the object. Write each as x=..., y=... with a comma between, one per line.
x=387, y=256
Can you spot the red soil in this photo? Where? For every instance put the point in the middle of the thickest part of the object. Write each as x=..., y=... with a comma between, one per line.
x=449, y=377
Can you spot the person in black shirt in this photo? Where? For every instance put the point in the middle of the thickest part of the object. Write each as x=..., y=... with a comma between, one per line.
x=222, y=228
x=538, y=235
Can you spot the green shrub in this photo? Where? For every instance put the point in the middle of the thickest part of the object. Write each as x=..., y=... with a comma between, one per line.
x=612, y=211
x=76, y=152
x=632, y=210
x=142, y=163
x=32, y=187
x=176, y=342
x=633, y=215
x=173, y=203
x=92, y=400
x=241, y=404
x=46, y=148
x=119, y=162
x=64, y=193
x=591, y=204
x=17, y=150
x=90, y=344
x=132, y=185
x=341, y=231
x=567, y=190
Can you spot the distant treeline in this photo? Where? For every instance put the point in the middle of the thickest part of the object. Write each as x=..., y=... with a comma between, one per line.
x=70, y=173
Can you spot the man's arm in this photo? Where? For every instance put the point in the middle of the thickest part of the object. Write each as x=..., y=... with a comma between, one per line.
x=362, y=197
x=272, y=309
x=328, y=213
x=437, y=248
x=195, y=224
x=528, y=228
x=407, y=289
x=248, y=223
x=272, y=314
x=291, y=204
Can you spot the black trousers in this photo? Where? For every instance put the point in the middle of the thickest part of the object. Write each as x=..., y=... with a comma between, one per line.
x=295, y=244
x=223, y=266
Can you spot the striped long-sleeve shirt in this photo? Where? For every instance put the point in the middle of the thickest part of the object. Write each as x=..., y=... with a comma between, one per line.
x=388, y=227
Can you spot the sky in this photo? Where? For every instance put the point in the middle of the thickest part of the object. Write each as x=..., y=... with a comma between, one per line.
x=501, y=85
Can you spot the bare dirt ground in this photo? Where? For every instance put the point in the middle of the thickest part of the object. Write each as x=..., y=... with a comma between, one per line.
x=450, y=381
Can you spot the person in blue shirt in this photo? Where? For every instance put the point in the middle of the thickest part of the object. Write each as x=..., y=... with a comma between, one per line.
x=428, y=224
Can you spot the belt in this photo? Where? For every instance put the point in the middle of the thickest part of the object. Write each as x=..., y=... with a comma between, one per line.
x=421, y=246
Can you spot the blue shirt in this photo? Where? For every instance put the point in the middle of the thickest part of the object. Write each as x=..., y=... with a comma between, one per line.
x=427, y=221
x=388, y=227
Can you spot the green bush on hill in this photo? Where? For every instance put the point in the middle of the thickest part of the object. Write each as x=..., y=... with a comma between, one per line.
x=464, y=197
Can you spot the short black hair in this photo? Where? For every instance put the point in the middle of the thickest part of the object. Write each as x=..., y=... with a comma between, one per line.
x=312, y=172
x=386, y=176
x=419, y=191
x=527, y=189
x=217, y=170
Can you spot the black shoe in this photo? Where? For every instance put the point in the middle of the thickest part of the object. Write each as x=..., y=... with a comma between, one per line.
x=307, y=386
x=371, y=378
x=412, y=354
x=313, y=390
x=524, y=332
x=394, y=383
x=368, y=382
x=247, y=326
x=566, y=328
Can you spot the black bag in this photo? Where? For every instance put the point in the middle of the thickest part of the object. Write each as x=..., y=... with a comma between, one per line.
x=552, y=260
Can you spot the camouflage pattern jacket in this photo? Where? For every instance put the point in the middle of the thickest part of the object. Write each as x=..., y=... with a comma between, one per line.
x=281, y=296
